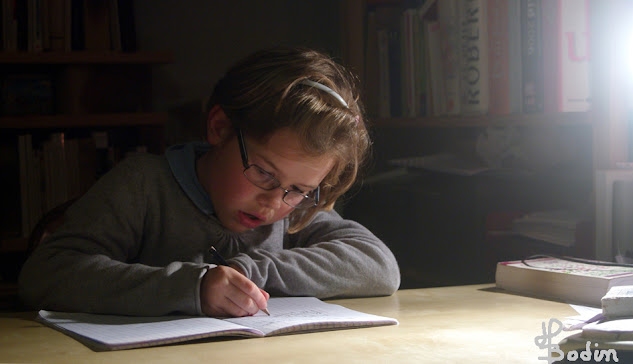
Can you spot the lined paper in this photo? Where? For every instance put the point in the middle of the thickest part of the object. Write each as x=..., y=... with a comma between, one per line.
x=288, y=314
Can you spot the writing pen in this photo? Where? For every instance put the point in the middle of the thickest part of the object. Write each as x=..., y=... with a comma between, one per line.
x=223, y=262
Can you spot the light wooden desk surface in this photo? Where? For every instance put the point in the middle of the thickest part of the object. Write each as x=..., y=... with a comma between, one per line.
x=475, y=324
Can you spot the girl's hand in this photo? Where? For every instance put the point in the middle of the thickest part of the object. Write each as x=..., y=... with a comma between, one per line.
x=225, y=292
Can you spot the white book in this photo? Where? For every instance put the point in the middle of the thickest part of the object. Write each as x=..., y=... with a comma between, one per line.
x=288, y=315
x=603, y=187
x=474, y=57
x=618, y=302
x=575, y=91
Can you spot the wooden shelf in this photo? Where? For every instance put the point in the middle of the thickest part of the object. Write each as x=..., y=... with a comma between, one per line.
x=85, y=57
x=478, y=121
x=82, y=120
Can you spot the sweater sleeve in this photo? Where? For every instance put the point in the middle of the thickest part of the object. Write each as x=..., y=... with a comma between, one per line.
x=331, y=257
x=90, y=263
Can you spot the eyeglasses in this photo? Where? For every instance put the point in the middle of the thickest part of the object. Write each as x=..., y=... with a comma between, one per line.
x=266, y=181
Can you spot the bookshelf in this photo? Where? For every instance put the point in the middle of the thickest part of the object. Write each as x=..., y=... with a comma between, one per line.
x=599, y=136
x=120, y=81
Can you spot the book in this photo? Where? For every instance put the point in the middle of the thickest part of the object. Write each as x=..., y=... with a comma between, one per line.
x=566, y=55
x=448, y=17
x=549, y=34
x=289, y=315
x=551, y=226
x=514, y=53
x=435, y=72
x=504, y=58
x=407, y=25
x=97, y=28
x=499, y=56
x=532, y=61
x=603, y=195
x=562, y=280
x=574, y=56
x=395, y=73
x=384, y=93
x=27, y=94
x=618, y=302
x=622, y=230
x=474, y=56
x=609, y=330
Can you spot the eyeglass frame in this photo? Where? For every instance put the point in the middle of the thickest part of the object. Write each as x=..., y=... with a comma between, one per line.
x=276, y=183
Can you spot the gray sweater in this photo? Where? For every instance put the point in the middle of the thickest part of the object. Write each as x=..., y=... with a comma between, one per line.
x=136, y=244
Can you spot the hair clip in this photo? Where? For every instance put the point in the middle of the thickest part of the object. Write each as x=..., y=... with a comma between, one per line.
x=324, y=88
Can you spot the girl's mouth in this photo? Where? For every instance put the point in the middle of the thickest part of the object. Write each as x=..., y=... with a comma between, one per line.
x=248, y=220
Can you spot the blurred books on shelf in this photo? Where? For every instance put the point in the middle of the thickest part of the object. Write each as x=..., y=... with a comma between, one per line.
x=563, y=228
x=444, y=163
x=67, y=25
x=554, y=227
x=54, y=168
x=496, y=57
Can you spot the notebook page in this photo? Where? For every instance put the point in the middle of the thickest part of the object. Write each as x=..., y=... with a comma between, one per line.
x=294, y=314
x=127, y=330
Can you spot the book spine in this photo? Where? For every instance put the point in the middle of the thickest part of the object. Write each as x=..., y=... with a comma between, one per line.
x=24, y=192
x=96, y=25
x=9, y=26
x=384, y=109
x=435, y=66
x=532, y=60
x=420, y=65
x=550, y=29
x=372, y=67
x=127, y=25
x=474, y=55
x=574, y=94
x=395, y=74
x=499, y=56
x=448, y=16
x=515, y=67
x=57, y=24
x=408, y=74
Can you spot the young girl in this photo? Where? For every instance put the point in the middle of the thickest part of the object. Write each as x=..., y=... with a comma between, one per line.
x=285, y=138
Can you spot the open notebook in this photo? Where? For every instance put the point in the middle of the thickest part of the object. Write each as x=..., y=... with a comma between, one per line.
x=288, y=315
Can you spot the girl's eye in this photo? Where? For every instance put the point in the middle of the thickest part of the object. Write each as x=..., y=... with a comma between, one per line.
x=297, y=189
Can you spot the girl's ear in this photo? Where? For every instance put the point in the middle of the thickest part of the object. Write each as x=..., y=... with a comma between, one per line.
x=219, y=127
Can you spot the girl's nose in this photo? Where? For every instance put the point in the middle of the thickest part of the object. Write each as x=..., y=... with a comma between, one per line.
x=271, y=199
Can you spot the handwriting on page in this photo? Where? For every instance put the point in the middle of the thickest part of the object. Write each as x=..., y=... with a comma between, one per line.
x=286, y=314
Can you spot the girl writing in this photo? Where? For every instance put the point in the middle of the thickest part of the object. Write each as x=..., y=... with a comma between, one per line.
x=285, y=137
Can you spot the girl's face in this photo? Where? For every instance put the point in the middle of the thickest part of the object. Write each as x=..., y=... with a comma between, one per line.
x=239, y=204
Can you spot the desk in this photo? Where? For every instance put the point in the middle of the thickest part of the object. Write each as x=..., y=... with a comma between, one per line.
x=475, y=324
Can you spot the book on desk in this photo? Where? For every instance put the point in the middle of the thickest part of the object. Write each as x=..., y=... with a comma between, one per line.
x=288, y=315
x=562, y=280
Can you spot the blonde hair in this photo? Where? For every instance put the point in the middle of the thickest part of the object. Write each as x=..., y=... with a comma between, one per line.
x=264, y=93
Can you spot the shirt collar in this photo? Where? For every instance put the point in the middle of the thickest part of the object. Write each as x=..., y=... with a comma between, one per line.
x=182, y=162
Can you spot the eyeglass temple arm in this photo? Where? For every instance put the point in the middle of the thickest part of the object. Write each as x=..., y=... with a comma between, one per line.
x=240, y=140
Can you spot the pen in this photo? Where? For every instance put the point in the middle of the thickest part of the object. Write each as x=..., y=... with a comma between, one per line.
x=223, y=262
